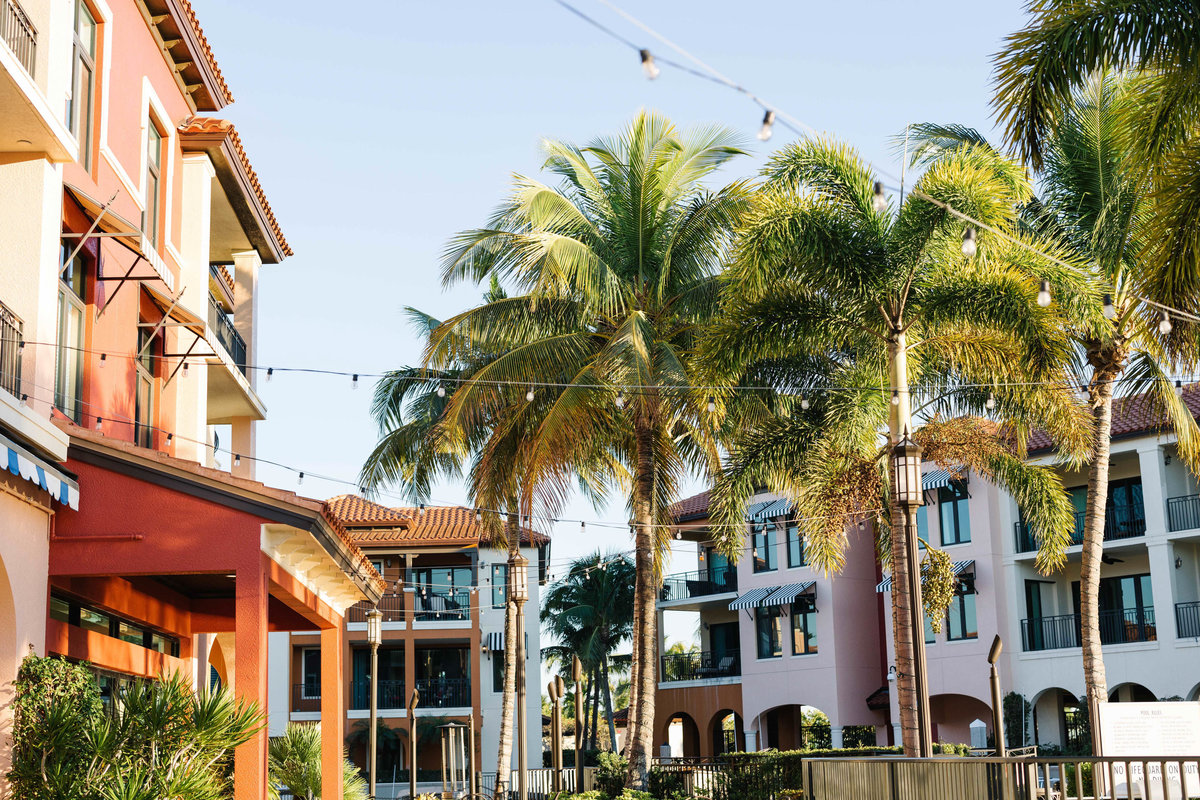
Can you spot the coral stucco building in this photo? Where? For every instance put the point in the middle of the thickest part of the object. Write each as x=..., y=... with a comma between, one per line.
x=135, y=537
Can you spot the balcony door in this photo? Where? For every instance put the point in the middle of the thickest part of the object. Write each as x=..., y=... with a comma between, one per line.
x=723, y=640
x=1126, y=514
x=1126, y=609
x=718, y=567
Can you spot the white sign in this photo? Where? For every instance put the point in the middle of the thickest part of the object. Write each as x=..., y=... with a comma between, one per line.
x=1151, y=730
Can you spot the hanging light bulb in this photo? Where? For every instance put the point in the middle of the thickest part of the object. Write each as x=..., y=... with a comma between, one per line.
x=185, y=369
x=649, y=68
x=1110, y=311
x=99, y=423
x=24, y=400
x=237, y=459
x=270, y=372
x=764, y=133
x=1179, y=388
x=529, y=395
x=354, y=381
x=804, y=404
x=991, y=402
x=103, y=358
x=712, y=405
x=441, y=391
x=620, y=401
x=895, y=397
x=678, y=534
x=478, y=515
x=300, y=479
x=582, y=526
x=1164, y=323
x=421, y=510
x=879, y=201
x=170, y=436
x=969, y=247
x=1043, y=295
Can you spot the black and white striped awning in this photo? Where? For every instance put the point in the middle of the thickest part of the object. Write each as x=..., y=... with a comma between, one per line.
x=965, y=566
x=940, y=478
x=776, y=508
x=752, y=598
x=753, y=511
x=787, y=595
x=495, y=642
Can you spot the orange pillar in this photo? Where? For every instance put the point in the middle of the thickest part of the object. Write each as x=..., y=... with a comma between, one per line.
x=250, y=678
x=333, y=713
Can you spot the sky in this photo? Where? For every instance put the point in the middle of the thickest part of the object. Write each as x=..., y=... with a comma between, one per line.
x=380, y=129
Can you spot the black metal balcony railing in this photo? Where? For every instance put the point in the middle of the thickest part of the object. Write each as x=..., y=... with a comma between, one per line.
x=390, y=605
x=444, y=692
x=1183, y=513
x=699, y=666
x=1062, y=631
x=699, y=584
x=442, y=606
x=306, y=697
x=388, y=694
x=10, y=350
x=1120, y=522
x=18, y=33
x=227, y=335
x=1187, y=620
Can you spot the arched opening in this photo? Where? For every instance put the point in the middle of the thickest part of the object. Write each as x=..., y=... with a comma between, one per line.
x=794, y=727
x=1194, y=694
x=726, y=733
x=1130, y=693
x=218, y=665
x=1060, y=718
x=952, y=714
x=682, y=735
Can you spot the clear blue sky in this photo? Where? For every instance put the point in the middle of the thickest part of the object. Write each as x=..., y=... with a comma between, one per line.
x=379, y=129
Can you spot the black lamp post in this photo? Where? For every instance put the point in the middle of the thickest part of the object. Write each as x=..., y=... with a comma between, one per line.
x=909, y=495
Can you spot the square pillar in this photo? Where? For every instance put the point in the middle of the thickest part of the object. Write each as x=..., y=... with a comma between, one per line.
x=835, y=736
x=333, y=713
x=245, y=305
x=250, y=669
x=244, y=444
x=1150, y=464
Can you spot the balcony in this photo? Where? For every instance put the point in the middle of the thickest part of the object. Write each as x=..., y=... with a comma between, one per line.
x=1123, y=626
x=691, y=585
x=390, y=605
x=1187, y=620
x=227, y=335
x=306, y=697
x=699, y=666
x=444, y=692
x=18, y=33
x=1183, y=513
x=29, y=126
x=388, y=695
x=10, y=350
x=453, y=605
x=1123, y=522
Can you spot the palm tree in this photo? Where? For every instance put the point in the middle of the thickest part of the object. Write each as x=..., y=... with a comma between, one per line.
x=1106, y=214
x=1058, y=52
x=616, y=272
x=294, y=763
x=590, y=614
x=830, y=288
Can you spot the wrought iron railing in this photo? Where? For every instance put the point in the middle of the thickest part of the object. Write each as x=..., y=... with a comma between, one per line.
x=388, y=694
x=442, y=605
x=1122, y=626
x=390, y=605
x=1183, y=513
x=444, y=692
x=306, y=696
x=227, y=335
x=683, y=585
x=18, y=33
x=10, y=351
x=1120, y=522
x=699, y=666
x=1187, y=620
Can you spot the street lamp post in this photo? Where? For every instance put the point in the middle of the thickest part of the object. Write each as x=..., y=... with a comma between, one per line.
x=518, y=593
x=374, y=637
x=577, y=677
x=997, y=716
x=909, y=494
x=413, y=701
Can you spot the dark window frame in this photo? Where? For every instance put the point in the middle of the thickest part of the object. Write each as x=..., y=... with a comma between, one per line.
x=958, y=607
x=954, y=499
x=804, y=620
x=794, y=538
x=763, y=547
x=769, y=619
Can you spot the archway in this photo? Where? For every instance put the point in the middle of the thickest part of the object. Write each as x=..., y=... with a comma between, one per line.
x=726, y=733
x=794, y=727
x=1130, y=693
x=952, y=714
x=682, y=735
x=1194, y=694
x=218, y=663
x=1059, y=718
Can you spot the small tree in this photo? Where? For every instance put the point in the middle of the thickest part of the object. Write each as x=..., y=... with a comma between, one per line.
x=294, y=762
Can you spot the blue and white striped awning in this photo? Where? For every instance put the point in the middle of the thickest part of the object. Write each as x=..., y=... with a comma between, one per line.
x=776, y=508
x=752, y=598
x=25, y=464
x=960, y=567
x=940, y=478
x=786, y=595
x=495, y=642
x=752, y=512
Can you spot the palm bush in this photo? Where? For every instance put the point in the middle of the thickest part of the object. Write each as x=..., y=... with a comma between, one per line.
x=294, y=764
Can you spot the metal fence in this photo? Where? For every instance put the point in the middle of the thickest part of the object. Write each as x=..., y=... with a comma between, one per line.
x=684, y=585
x=227, y=335
x=1119, y=626
x=1120, y=522
x=11, y=342
x=699, y=665
x=18, y=33
x=1187, y=620
x=539, y=782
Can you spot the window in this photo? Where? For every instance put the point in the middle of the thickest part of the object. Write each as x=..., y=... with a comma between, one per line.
x=804, y=627
x=377, y=563
x=498, y=671
x=767, y=629
x=922, y=526
x=952, y=509
x=73, y=612
x=150, y=217
x=68, y=368
x=763, y=542
x=499, y=585
x=83, y=82
x=795, y=544
x=930, y=636
x=145, y=389
x=310, y=672
x=960, y=616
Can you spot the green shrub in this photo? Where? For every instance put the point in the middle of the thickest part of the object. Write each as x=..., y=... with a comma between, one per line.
x=610, y=774
x=665, y=785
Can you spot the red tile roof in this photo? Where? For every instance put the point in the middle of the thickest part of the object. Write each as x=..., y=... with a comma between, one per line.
x=374, y=524
x=1132, y=416
x=355, y=511
x=206, y=51
x=690, y=508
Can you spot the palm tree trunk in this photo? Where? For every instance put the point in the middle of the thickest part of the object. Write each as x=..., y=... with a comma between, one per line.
x=608, y=709
x=504, y=751
x=1106, y=368
x=900, y=421
x=595, y=709
x=641, y=731
x=626, y=749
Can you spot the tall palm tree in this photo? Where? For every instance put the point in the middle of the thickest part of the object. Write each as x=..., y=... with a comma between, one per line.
x=590, y=614
x=1057, y=53
x=1105, y=213
x=831, y=288
x=615, y=270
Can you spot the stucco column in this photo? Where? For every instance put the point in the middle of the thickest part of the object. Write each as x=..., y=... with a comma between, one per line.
x=333, y=713
x=250, y=669
x=245, y=305
x=191, y=395
x=243, y=443
x=835, y=735
x=1150, y=463
x=1162, y=583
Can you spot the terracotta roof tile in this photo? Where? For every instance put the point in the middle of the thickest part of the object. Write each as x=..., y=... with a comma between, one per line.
x=1132, y=416
x=690, y=508
x=209, y=125
x=354, y=511
x=374, y=524
x=206, y=50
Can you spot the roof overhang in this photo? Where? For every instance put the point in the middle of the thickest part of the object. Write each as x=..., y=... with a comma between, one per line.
x=185, y=47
